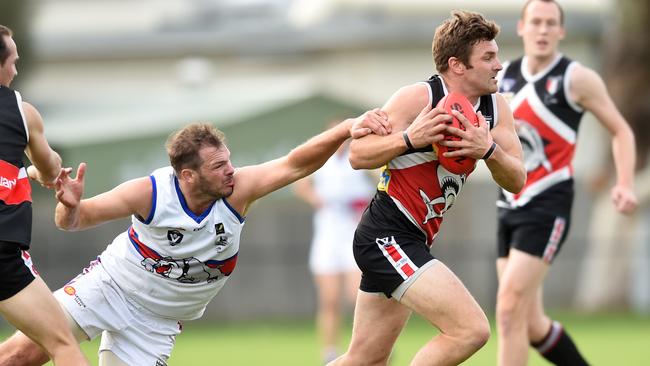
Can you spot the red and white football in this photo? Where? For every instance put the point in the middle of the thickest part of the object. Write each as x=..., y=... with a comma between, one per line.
x=458, y=102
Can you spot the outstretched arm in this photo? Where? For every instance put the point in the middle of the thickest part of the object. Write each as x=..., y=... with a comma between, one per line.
x=256, y=181
x=73, y=213
x=46, y=162
x=589, y=91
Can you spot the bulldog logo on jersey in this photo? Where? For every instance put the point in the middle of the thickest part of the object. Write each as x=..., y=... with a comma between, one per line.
x=174, y=236
x=450, y=186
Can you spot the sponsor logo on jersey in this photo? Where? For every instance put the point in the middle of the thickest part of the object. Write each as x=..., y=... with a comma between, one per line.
x=219, y=228
x=14, y=184
x=7, y=183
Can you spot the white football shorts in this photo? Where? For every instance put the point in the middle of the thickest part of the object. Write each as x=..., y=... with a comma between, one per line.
x=134, y=334
x=331, y=246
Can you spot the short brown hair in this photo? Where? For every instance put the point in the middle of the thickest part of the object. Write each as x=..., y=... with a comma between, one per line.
x=523, y=10
x=4, y=51
x=456, y=36
x=183, y=146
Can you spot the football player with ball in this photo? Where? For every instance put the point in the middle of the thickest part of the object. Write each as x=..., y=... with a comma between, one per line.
x=418, y=185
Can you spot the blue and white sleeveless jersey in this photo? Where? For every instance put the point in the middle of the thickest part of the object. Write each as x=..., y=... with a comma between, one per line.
x=174, y=262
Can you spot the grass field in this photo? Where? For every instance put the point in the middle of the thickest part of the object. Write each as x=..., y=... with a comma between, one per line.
x=609, y=339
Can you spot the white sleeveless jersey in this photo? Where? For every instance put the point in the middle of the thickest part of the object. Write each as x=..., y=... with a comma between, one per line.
x=174, y=262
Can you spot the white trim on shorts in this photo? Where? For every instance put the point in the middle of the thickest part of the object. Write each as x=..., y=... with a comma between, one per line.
x=401, y=289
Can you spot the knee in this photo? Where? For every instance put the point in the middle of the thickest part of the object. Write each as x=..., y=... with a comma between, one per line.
x=21, y=351
x=477, y=335
x=510, y=305
x=363, y=356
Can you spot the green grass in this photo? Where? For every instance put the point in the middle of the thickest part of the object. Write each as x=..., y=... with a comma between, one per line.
x=606, y=339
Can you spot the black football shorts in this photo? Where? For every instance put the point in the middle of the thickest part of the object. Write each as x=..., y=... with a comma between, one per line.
x=16, y=270
x=388, y=248
x=532, y=231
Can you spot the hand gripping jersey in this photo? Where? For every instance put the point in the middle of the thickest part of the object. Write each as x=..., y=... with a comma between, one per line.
x=15, y=190
x=174, y=262
x=420, y=187
x=547, y=123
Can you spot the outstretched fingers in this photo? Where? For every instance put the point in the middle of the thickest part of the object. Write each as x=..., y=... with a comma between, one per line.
x=81, y=172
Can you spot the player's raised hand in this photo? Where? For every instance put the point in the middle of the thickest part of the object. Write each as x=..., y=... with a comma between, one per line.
x=68, y=191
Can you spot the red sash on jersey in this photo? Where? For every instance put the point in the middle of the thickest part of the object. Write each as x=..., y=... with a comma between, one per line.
x=14, y=184
x=426, y=191
x=559, y=151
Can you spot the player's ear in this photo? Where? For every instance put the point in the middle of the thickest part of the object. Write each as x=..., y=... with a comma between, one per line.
x=456, y=65
x=520, y=28
x=187, y=175
x=562, y=31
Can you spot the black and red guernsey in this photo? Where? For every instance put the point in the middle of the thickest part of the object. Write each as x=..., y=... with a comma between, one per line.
x=15, y=190
x=547, y=122
x=421, y=188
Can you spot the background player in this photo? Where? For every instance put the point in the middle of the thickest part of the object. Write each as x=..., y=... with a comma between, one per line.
x=338, y=194
x=549, y=94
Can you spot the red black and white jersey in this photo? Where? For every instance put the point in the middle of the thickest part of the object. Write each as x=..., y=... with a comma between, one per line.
x=15, y=190
x=547, y=123
x=420, y=187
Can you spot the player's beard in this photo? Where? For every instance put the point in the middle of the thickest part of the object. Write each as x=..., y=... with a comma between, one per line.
x=208, y=188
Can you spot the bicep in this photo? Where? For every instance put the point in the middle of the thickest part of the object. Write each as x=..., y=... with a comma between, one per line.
x=38, y=150
x=373, y=151
x=130, y=198
x=256, y=181
x=594, y=97
x=504, y=133
x=405, y=105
